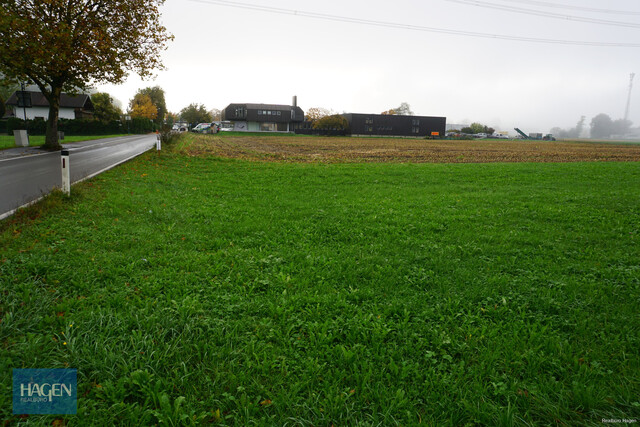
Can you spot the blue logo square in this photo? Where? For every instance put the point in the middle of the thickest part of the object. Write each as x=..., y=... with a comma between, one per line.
x=45, y=391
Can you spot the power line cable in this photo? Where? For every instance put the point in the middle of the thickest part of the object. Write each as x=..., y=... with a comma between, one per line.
x=534, y=12
x=572, y=7
x=336, y=18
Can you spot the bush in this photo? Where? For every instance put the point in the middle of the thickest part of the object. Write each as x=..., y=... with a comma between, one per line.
x=141, y=125
x=90, y=127
x=167, y=135
x=82, y=126
x=14, y=123
x=334, y=122
x=37, y=126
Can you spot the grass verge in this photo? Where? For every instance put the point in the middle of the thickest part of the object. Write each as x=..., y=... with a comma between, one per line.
x=190, y=290
x=8, y=141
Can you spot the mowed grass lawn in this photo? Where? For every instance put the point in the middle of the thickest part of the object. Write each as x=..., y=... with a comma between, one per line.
x=195, y=290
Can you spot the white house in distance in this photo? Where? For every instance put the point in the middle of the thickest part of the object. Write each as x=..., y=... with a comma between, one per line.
x=71, y=106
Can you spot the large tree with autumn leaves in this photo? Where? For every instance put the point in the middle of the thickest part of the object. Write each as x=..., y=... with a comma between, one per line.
x=66, y=45
x=142, y=106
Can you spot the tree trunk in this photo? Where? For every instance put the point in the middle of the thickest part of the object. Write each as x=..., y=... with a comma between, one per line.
x=51, y=142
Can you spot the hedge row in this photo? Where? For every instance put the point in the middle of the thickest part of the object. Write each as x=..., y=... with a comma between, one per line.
x=81, y=126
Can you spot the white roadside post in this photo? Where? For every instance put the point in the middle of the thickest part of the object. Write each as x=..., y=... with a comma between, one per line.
x=158, y=143
x=66, y=176
x=22, y=138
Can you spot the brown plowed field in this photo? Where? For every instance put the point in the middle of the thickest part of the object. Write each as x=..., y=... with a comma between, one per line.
x=345, y=149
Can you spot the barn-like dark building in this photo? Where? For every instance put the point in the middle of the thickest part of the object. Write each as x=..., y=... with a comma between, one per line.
x=392, y=125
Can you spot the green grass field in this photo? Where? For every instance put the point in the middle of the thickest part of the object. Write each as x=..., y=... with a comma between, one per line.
x=8, y=141
x=192, y=290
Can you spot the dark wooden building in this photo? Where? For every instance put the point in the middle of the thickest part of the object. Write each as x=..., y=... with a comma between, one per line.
x=391, y=125
x=263, y=117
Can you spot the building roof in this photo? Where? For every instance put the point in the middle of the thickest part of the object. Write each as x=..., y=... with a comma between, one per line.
x=275, y=107
x=66, y=101
x=255, y=112
x=382, y=116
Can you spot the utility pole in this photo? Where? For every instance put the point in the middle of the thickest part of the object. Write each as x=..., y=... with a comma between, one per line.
x=626, y=111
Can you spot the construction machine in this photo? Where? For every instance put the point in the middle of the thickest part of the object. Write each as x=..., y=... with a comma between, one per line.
x=536, y=136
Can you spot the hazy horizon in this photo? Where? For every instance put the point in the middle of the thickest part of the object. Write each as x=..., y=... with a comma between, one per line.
x=223, y=54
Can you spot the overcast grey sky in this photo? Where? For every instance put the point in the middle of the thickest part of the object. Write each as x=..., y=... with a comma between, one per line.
x=223, y=54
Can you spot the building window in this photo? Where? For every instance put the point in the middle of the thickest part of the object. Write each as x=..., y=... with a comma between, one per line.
x=415, y=122
x=240, y=112
x=368, y=121
x=279, y=112
x=415, y=129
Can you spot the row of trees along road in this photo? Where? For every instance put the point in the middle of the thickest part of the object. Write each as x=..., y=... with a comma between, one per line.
x=68, y=45
x=150, y=103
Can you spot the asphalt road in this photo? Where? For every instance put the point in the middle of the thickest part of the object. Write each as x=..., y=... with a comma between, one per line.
x=27, y=178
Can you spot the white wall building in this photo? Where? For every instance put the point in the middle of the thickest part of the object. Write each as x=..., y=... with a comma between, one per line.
x=71, y=106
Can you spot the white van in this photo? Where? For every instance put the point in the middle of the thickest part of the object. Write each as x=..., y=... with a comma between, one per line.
x=201, y=127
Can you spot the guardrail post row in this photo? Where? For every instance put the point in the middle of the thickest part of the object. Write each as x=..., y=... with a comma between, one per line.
x=66, y=175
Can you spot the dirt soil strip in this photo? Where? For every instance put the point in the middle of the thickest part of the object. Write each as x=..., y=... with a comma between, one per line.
x=340, y=149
